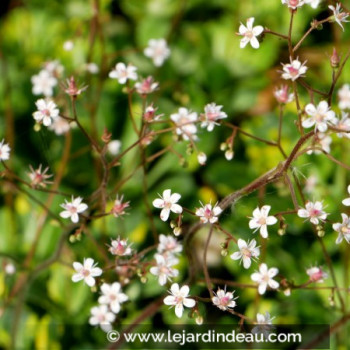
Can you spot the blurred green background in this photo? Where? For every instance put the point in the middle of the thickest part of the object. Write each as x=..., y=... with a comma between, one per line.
x=206, y=65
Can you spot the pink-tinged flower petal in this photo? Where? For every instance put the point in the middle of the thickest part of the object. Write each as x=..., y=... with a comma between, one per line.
x=243, y=43
x=346, y=202
x=256, y=277
x=246, y=262
x=175, y=197
x=254, y=42
x=236, y=255
x=250, y=22
x=242, y=29
x=96, y=271
x=253, y=224
x=189, y=302
x=271, y=220
x=179, y=310
x=75, y=218
x=176, y=208
x=77, y=277
x=90, y=281
x=174, y=288
x=169, y=300
x=164, y=214
x=158, y=203
x=184, y=290
x=310, y=109
x=322, y=107
x=166, y=195
x=262, y=288
x=263, y=231
x=308, y=123
x=77, y=266
x=115, y=307
x=258, y=30
x=339, y=239
x=322, y=126
x=303, y=213
x=88, y=263
x=82, y=207
x=273, y=271
x=273, y=284
x=241, y=243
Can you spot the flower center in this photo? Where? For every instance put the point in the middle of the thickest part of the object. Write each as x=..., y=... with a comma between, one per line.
x=85, y=272
x=314, y=212
x=262, y=221
x=246, y=252
x=293, y=71
x=249, y=34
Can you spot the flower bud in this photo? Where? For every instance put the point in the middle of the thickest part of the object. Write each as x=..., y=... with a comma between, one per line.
x=229, y=154
x=335, y=59
x=199, y=320
x=143, y=279
x=177, y=231
x=223, y=146
x=321, y=233
x=224, y=252
x=202, y=158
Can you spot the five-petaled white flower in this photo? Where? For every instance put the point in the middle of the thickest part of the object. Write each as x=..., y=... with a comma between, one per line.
x=47, y=111
x=119, y=206
x=293, y=4
x=179, y=298
x=247, y=251
x=346, y=201
x=314, y=212
x=316, y=274
x=224, y=300
x=212, y=113
x=164, y=268
x=4, y=150
x=86, y=271
x=250, y=33
x=344, y=97
x=101, y=316
x=38, y=178
x=339, y=16
x=261, y=220
x=73, y=209
x=168, y=202
x=158, y=51
x=43, y=83
x=113, y=296
x=208, y=213
x=122, y=73
x=120, y=247
x=265, y=278
x=293, y=70
x=343, y=229
x=319, y=116
x=185, y=123
x=168, y=245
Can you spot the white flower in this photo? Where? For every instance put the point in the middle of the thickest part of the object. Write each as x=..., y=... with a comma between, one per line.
x=119, y=206
x=264, y=323
x=59, y=126
x=4, y=150
x=164, y=268
x=68, y=45
x=339, y=16
x=261, y=220
x=167, y=202
x=282, y=95
x=313, y=3
x=38, y=178
x=343, y=229
x=120, y=247
x=46, y=113
x=54, y=68
x=86, y=271
x=92, y=68
x=158, y=50
x=250, y=33
x=184, y=121
x=43, y=83
x=212, y=113
x=100, y=316
x=9, y=268
x=320, y=116
x=112, y=296
x=224, y=300
x=202, y=158
x=122, y=73
x=179, y=298
x=229, y=154
x=114, y=147
x=247, y=251
x=294, y=70
x=314, y=212
x=321, y=140
x=346, y=201
x=293, y=4
x=168, y=245
x=344, y=97
x=343, y=124
x=208, y=213
x=265, y=278
x=73, y=209
x=146, y=86
x=316, y=274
